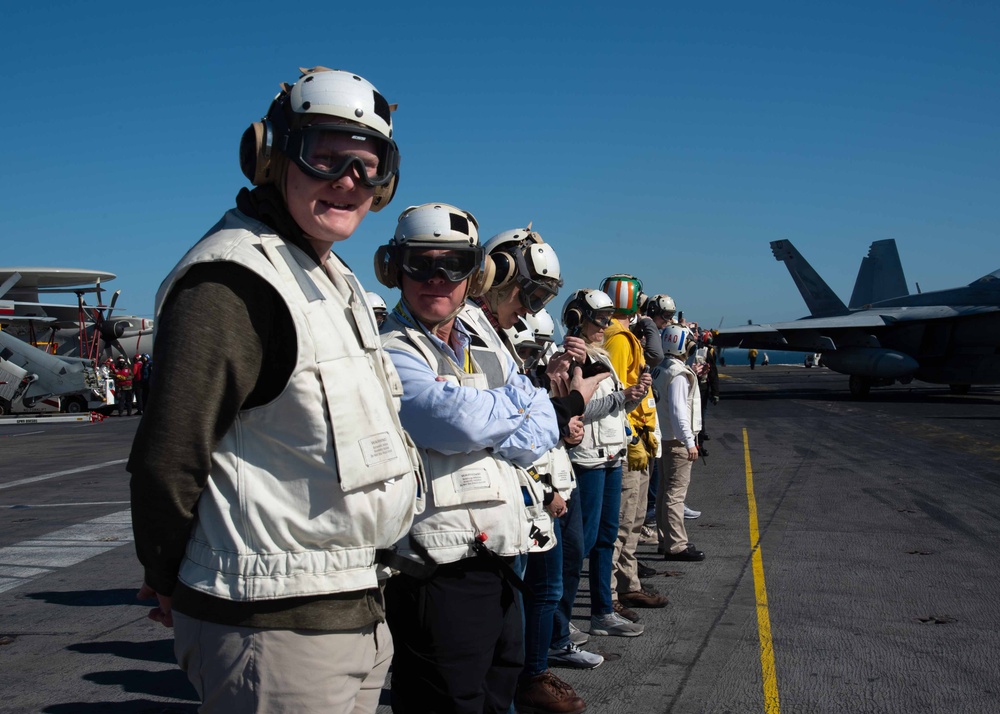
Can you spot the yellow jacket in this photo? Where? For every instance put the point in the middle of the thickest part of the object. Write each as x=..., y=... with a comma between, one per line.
x=625, y=351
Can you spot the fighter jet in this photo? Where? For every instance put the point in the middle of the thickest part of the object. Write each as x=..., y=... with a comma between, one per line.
x=944, y=337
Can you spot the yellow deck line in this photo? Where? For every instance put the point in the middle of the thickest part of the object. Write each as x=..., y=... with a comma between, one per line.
x=768, y=673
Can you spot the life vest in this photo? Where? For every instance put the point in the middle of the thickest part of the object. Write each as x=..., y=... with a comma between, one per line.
x=305, y=489
x=472, y=494
x=604, y=440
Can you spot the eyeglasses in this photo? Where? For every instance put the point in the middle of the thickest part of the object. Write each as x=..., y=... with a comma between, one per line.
x=328, y=151
x=455, y=266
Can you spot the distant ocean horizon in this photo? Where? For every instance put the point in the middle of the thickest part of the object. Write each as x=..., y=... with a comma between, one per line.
x=737, y=356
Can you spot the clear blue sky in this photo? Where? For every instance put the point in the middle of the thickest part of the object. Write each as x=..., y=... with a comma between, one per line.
x=670, y=140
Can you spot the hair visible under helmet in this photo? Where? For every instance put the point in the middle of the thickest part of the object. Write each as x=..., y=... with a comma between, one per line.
x=522, y=259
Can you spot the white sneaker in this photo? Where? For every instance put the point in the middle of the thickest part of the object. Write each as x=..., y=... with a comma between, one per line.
x=690, y=514
x=573, y=656
x=614, y=624
x=647, y=535
x=577, y=636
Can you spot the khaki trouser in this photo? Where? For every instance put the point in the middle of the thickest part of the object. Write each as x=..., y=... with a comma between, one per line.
x=675, y=477
x=635, y=485
x=247, y=669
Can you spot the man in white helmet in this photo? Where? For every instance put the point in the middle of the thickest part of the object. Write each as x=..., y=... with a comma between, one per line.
x=379, y=308
x=679, y=410
x=271, y=469
x=479, y=424
x=626, y=356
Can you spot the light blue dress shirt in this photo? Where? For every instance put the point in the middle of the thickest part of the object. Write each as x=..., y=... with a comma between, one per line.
x=516, y=421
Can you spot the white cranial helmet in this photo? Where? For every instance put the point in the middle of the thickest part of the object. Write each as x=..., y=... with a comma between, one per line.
x=594, y=306
x=376, y=301
x=521, y=335
x=676, y=340
x=290, y=130
x=542, y=324
x=661, y=306
x=521, y=256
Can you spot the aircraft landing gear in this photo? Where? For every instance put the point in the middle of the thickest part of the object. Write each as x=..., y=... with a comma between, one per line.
x=959, y=388
x=860, y=386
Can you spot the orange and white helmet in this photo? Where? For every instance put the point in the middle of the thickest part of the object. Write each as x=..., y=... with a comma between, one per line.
x=624, y=291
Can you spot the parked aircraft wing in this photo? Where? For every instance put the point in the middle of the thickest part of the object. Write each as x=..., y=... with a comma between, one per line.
x=820, y=299
x=880, y=276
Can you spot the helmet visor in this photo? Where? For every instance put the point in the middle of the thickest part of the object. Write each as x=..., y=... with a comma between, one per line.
x=422, y=264
x=328, y=151
x=535, y=295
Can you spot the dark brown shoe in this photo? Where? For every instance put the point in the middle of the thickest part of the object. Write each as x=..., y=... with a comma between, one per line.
x=545, y=693
x=642, y=598
x=630, y=615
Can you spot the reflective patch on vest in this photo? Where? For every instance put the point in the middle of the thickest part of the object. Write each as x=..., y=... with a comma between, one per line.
x=377, y=449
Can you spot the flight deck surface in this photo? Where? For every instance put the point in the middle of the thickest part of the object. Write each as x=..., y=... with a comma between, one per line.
x=872, y=586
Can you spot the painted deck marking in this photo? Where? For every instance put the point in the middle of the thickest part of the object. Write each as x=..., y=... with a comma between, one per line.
x=768, y=673
x=23, y=562
x=68, y=472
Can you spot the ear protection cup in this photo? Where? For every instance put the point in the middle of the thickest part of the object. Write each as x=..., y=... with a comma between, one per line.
x=384, y=194
x=504, y=269
x=255, y=152
x=387, y=266
x=573, y=319
x=482, y=280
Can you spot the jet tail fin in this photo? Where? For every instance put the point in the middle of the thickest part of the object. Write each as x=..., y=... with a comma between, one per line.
x=820, y=299
x=880, y=276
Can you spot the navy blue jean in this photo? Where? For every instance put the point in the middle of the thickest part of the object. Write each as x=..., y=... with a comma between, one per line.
x=654, y=484
x=590, y=529
x=543, y=577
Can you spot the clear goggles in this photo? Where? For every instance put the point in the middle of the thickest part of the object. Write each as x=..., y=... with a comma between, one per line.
x=454, y=265
x=328, y=151
x=601, y=318
x=535, y=295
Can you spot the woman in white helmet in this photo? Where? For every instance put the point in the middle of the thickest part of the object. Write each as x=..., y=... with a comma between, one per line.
x=270, y=469
x=479, y=424
x=590, y=528
x=525, y=276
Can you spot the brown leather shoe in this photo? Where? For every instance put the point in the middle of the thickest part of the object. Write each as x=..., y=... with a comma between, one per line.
x=545, y=693
x=628, y=614
x=642, y=598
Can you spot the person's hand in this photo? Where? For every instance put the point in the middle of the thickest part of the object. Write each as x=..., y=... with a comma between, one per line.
x=558, y=384
x=557, y=506
x=715, y=399
x=163, y=613
x=693, y=453
x=700, y=368
x=575, y=431
x=634, y=393
x=586, y=387
x=557, y=370
x=576, y=348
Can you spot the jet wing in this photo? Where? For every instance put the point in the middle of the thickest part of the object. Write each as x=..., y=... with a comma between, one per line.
x=822, y=334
